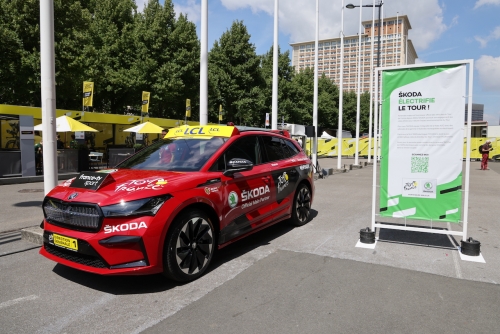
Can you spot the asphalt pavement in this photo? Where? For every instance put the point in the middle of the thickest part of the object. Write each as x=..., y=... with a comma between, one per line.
x=310, y=279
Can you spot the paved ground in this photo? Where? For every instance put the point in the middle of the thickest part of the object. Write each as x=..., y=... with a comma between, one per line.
x=309, y=279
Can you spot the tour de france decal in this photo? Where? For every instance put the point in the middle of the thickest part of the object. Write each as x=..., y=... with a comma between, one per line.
x=422, y=142
x=89, y=180
x=285, y=183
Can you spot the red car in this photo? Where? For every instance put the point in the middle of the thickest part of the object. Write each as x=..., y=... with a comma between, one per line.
x=171, y=205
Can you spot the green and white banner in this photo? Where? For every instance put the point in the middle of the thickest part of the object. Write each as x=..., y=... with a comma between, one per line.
x=422, y=142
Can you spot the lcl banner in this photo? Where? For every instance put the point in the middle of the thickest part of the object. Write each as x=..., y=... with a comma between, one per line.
x=422, y=142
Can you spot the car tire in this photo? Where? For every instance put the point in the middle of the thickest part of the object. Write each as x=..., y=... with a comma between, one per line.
x=189, y=247
x=301, y=209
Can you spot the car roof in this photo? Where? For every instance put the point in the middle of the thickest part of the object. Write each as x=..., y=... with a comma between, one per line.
x=218, y=131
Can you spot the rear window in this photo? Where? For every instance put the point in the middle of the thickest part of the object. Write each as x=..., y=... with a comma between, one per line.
x=291, y=147
x=274, y=147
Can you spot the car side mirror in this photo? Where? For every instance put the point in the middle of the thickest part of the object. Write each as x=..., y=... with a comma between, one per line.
x=237, y=165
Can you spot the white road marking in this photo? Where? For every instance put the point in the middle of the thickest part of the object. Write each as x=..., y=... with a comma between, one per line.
x=17, y=300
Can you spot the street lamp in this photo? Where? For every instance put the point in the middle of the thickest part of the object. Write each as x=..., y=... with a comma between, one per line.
x=351, y=6
x=379, y=6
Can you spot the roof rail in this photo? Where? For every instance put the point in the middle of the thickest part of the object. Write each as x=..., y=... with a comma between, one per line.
x=284, y=133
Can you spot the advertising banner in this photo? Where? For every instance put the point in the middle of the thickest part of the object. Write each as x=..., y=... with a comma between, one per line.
x=422, y=142
x=145, y=102
x=88, y=93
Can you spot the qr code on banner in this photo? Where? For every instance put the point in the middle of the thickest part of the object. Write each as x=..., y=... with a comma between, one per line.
x=420, y=164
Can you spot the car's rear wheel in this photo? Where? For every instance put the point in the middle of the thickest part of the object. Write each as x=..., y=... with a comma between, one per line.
x=301, y=205
x=189, y=246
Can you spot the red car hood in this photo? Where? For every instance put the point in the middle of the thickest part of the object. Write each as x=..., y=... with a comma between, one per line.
x=128, y=185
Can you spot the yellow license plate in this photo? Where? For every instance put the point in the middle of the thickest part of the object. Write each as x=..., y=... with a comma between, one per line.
x=65, y=242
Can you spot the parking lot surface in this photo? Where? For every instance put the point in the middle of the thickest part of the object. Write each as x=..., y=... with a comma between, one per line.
x=283, y=279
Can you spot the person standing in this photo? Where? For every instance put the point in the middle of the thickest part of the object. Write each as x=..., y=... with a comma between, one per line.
x=73, y=143
x=38, y=156
x=60, y=144
x=485, y=150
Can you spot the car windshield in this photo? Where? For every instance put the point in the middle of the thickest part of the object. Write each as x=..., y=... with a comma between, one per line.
x=175, y=154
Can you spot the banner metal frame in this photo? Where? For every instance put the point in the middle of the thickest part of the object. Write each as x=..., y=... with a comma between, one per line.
x=465, y=191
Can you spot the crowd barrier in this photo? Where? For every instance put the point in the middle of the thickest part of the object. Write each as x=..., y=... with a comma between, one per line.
x=329, y=147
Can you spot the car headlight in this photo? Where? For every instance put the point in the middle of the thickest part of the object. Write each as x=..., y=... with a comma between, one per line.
x=142, y=207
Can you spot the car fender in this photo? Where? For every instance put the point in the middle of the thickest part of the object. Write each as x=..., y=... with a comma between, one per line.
x=183, y=204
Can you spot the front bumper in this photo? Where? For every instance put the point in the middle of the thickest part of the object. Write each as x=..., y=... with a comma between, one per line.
x=129, y=252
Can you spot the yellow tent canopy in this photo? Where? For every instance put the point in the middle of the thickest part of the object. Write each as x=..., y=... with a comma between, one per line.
x=68, y=124
x=146, y=127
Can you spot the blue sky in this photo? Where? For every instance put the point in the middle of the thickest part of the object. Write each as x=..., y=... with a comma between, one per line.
x=442, y=30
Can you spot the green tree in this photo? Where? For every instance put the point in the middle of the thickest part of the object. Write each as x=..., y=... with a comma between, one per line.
x=183, y=81
x=286, y=73
x=303, y=95
x=364, y=113
x=110, y=57
x=71, y=35
x=168, y=59
x=234, y=77
x=349, y=112
x=20, y=65
x=328, y=97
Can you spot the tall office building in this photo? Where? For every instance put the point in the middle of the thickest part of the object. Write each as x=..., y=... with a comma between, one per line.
x=477, y=111
x=396, y=49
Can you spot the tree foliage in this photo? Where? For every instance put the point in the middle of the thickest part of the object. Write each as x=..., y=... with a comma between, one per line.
x=235, y=78
x=125, y=50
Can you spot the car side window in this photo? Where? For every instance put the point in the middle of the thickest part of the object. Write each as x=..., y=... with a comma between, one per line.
x=244, y=148
x=291, y=147
x=274, y=148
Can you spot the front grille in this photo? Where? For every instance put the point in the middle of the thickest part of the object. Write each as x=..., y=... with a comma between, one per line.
x=72, y=215
x=87, y=260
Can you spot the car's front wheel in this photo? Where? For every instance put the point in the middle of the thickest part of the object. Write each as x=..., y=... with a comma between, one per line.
x=189, y=246
x=301, y=209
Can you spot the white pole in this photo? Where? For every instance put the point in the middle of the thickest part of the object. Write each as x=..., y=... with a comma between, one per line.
x=380, y=105
x=358, y=101
x=467, y=158
x=47, y=65
x=341, y=93
x=371, y=86
x=204, y=64
x=315, y=100
x=274, y=117
x=384, y=50
x=374, y=184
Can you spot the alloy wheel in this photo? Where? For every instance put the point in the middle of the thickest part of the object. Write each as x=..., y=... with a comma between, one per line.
x=194, y=245
x=303, y=205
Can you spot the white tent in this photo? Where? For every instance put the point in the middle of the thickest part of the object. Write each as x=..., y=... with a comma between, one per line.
x=325, y=135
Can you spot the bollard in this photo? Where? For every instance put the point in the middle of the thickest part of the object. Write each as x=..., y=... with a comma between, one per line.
x=366, y=236
x=470, y=247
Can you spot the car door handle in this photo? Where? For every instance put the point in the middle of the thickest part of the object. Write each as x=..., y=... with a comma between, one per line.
x=266, y=179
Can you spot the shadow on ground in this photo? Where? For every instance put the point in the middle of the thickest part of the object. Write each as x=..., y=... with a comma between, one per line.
x=124, y=285
x=28, y=204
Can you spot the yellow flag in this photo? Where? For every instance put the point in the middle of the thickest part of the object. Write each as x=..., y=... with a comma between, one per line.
x=145, y=101
x=220, y=112
x=188, y=108
x=88, y=93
